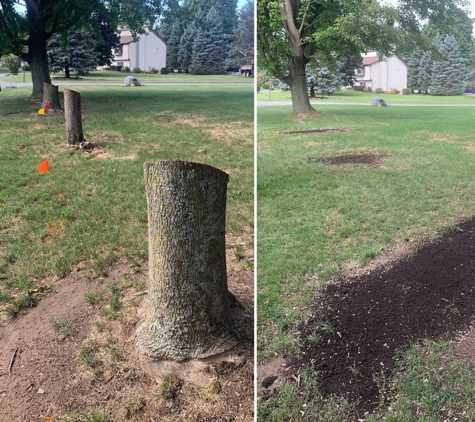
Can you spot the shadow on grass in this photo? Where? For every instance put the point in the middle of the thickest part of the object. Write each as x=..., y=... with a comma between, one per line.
x=359, y=323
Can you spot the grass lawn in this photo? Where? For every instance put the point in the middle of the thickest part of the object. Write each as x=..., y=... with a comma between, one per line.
x=118, y=77
x=349, y=96
x=313, y=217
x=92, y=208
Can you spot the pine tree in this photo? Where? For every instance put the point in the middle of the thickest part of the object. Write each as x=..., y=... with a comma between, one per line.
x=187, y=40
x=424, y=77
x=450, y=72
x=210, y=47
x=242, y=49
x=76, y=52
x=173, y=45
x=171, y=29
x=324, y=80
x=414, y=68
x=226, y=10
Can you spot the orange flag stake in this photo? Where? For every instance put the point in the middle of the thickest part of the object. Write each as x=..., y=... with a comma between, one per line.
x=43, y=167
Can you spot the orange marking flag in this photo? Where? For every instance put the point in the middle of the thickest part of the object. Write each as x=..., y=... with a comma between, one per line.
x=43, y=167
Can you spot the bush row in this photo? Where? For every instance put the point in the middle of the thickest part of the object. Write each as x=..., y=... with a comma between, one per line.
x=394, y=91
x=126, y=69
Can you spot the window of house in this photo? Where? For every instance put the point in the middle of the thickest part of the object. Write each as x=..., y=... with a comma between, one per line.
x=120, y=64
x=360, y=71
x=118, y=50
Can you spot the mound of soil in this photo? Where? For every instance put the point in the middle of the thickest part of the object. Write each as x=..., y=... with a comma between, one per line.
x=368, y=159
x=359, y=323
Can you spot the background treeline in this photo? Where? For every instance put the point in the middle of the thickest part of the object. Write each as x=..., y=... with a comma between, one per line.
x=207, y=37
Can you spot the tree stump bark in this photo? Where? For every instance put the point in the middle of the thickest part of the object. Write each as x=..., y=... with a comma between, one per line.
x=188, y=311
x=51, y=97
x=72, y=114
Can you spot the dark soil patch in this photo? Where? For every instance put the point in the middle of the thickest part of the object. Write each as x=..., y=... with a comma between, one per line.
x=289, y=132
x=368, y=159
x=362, y=321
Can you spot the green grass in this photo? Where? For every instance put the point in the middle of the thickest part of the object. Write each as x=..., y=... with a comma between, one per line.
x=349, y=96
x=62, y=326
x=118, y=77
x=86, y=354
x=431, y=385
x=304, y=402
x=312, y=217
x=91, y=209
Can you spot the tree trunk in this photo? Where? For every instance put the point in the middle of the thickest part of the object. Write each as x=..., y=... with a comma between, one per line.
x=188, y=311
x=67, y=72
x=72, y=113
x=298, y=87
x=297, y=77
x=51, y=97
x=38, y=61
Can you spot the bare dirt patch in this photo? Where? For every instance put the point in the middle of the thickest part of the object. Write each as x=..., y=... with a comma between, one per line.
x=336, y=130
x=367, y=159
x=271, y=374
x=359, y=322
x=464, y=348
x=48, y=379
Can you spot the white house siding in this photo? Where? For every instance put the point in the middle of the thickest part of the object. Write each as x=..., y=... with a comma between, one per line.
x=388, y=74
x=397, y=74
x=149, y=51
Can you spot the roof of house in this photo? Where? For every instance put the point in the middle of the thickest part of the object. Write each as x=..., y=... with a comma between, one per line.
x=368, y=61
x=126, y=39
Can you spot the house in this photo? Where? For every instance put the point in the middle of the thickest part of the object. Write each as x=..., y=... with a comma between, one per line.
x=385, y=74
x=149, y=51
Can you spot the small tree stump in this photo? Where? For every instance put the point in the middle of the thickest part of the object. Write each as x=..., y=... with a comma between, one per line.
x=51, y=97
x=72, y=114
x=188, y=311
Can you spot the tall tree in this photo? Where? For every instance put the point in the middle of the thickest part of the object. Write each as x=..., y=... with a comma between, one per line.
x=454, y=22
x=107, y=39
x=449, y=72
x=424, y=77
x=292, y=33
x=413, y=70
x=26, y=33
x=171, y=29
x=242, y=49
x=226, y=10
x=78, y=53
x=209, y=47
x=187, y=40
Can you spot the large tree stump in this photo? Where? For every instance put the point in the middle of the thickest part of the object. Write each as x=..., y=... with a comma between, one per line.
x=72, y=114
x=188, y=311
x=51, y=97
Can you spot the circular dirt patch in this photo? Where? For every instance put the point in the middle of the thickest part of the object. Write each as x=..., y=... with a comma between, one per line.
x=359, y=323
x=368, y=159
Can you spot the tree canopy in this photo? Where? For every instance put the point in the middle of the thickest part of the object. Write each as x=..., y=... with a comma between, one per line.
x=25, y=31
